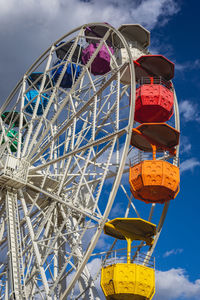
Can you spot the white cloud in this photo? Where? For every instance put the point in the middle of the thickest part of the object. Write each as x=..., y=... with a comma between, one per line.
x=117, y=210
x=94, y=268
x=75, y=12
x=189, y=111
x=186, y=148
x=27, y=28
x=185, y=145
x=175, y=284
x=189, y=164
x=192, y=65
x=172, y=252
x=150, y=11
x=103, y=243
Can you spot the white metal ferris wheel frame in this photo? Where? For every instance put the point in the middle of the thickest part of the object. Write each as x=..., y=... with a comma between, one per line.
x=121, y=166
x=114, y=190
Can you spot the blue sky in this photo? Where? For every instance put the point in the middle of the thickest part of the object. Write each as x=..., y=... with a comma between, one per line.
x=28, y=27
x=180, y=235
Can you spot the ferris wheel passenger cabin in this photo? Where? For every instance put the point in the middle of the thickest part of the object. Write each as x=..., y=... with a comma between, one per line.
x=73, y=69
x=35, y=80
x=30, y=102
x=12, y=119
x=133, y=278
x=101, y=62
x=156, y=180
x=154, y=92
x=71, y=74
x=138, y=39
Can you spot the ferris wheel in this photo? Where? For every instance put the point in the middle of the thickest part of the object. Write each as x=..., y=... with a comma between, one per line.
x=66, y=131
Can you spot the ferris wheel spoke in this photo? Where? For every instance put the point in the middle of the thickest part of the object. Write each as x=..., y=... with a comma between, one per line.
x=43, y=243
x=21, y=121
x=76, y=115
x=85, y=277
x=2, y=230
x=74, y=244
x=82, y=177
x=151, y=212
x=104, y=171
x=96, y=155
x=26, y=144
x=83, y=148
x=65, y=202
x=59, y=236
x=35, y=248
x=47, y=217
x=104, y=175
x=130, y=201
x=159, y=229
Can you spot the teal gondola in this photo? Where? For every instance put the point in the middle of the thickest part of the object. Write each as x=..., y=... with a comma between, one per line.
x=31, y=99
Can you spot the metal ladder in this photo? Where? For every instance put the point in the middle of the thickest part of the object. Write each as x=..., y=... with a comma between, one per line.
x=16, y=279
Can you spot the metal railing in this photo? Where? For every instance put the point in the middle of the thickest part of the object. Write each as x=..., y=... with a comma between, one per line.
x=154, y=80
x=138, y=157
x=142, y=156
x=120, y=256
